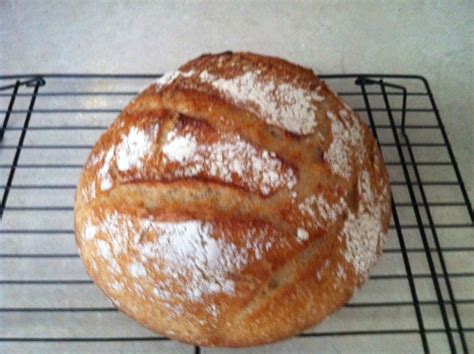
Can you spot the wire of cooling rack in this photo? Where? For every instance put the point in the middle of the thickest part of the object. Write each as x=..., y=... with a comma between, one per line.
x=51, y=122
x=362, y=81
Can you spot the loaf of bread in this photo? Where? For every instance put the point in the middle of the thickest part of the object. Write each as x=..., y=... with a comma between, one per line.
x=235, y=202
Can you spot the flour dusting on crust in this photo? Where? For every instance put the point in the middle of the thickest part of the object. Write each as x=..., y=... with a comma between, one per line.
x=321, y=211
x=194, y=255
x=134, y=147
x=282, y=104
x=179, y=148
x=90, y=230
x=231, y=159
x=170, y=77
x=104, y=176
x=363, y=230
x=302, y=235
x=347, y=136
x=128, y=154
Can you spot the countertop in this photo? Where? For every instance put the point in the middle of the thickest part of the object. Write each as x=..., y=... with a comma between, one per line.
x=432, y=39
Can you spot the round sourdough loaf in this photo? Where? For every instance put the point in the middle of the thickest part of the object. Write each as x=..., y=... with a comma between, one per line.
x=235, y=202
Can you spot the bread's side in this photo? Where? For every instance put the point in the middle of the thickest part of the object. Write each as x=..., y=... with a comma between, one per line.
x=281, y=286
x=211, y=221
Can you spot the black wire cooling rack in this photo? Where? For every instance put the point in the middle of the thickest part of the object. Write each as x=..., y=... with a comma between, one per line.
x=418, y=299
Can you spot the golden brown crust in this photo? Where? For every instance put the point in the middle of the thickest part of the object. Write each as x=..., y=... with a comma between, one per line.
x=235, y=202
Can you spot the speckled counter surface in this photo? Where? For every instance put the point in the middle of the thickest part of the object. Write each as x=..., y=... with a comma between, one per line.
x=433, y=39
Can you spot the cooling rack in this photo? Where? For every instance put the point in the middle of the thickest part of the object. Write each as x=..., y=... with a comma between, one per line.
x=418, y=299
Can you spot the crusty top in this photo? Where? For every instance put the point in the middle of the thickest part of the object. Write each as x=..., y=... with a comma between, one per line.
x=224, y=191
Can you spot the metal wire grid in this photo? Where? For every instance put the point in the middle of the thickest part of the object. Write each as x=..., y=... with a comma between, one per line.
x=419, y=298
